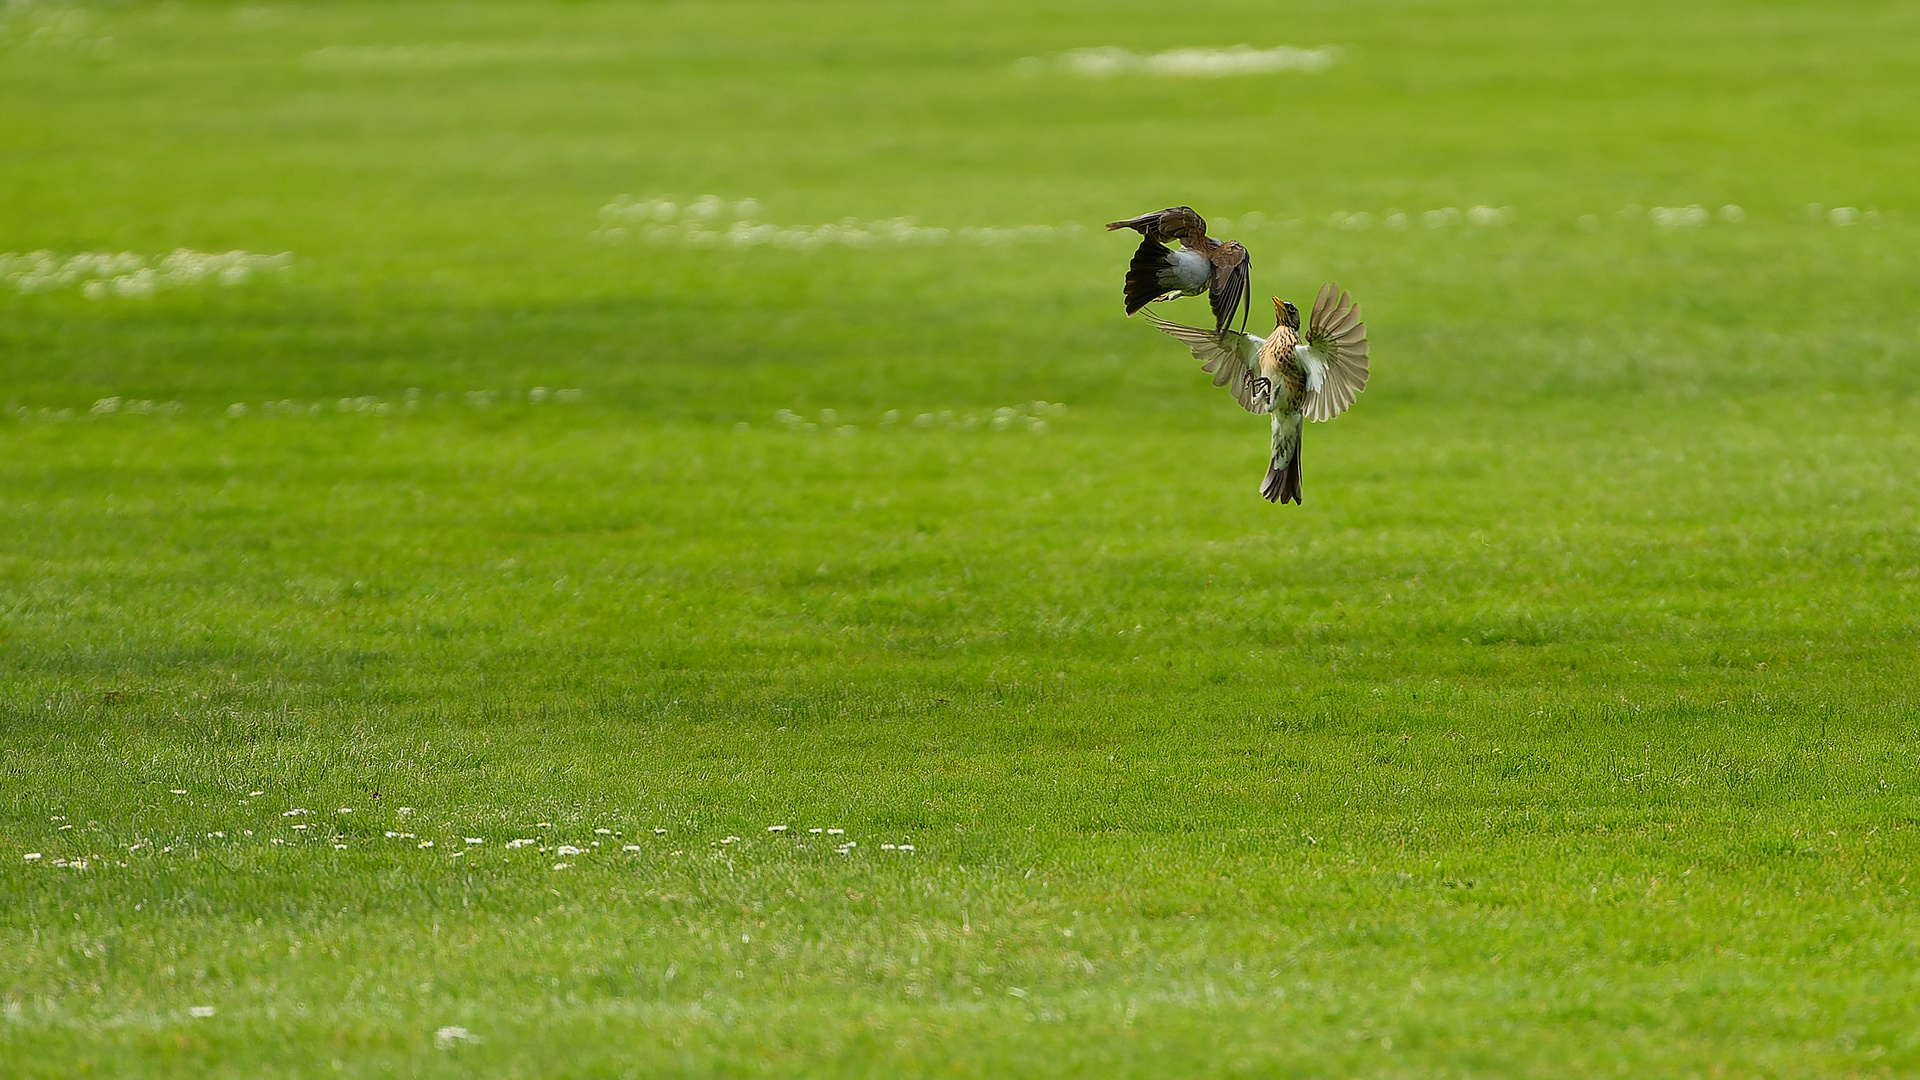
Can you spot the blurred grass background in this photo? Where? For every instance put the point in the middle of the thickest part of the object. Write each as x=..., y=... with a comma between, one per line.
x=1568, y=726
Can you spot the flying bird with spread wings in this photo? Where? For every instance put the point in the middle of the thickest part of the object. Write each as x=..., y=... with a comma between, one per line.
x=1201, y=264
x=1286, y=375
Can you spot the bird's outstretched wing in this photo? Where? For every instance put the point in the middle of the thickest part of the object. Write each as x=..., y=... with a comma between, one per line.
x=1337, y=339
x=1174, y=223
x=1231, y=286
x=1231, y=357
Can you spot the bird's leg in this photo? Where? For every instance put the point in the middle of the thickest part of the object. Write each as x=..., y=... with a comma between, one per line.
x=1260, y=393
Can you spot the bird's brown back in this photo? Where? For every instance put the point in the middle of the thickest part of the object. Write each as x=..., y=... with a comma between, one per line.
x=1223, y=256
x=1174, y=223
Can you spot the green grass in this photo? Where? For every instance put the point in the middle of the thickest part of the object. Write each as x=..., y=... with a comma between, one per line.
x=1568, y=729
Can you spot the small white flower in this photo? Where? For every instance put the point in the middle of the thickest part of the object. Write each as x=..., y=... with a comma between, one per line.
x=904, y=847
x=603, y=832
x=296, y=812
x=816, y=832
x=33, y=856
x=276, y=840
x=561, y=865
x=836, y=832
x=451, y=1036
x=630, y=847
x=255, y=794
x=200, y=1011
x=659, y=832
x=404, y=810
x=565, y=850
x=475, y=840
x=345, y=810
x=177, y=791
x=299, y=826
x=426, y=843
x=339, y=847
x=520, y=843
x=776, y=828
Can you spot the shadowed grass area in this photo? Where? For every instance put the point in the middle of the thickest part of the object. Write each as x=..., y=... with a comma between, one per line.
x=495, y=643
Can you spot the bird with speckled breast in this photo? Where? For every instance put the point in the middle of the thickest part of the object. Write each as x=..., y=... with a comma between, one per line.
x=1288, y=376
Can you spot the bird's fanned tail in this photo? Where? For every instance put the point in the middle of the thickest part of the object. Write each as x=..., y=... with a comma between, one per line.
x=1282, y=484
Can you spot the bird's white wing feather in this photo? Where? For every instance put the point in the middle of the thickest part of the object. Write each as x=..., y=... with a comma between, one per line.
x=1311, y=363
x=1231, y=357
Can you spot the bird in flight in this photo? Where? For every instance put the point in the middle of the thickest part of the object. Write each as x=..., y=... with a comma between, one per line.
x=1285, y=375
x=1201, y=264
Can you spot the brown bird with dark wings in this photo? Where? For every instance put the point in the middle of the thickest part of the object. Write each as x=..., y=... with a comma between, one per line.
x=1200, y=264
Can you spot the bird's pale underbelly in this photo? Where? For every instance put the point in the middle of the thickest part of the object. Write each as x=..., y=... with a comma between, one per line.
x=1185, y=270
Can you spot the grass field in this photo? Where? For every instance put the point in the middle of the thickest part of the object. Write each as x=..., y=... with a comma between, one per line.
x=438, y=653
